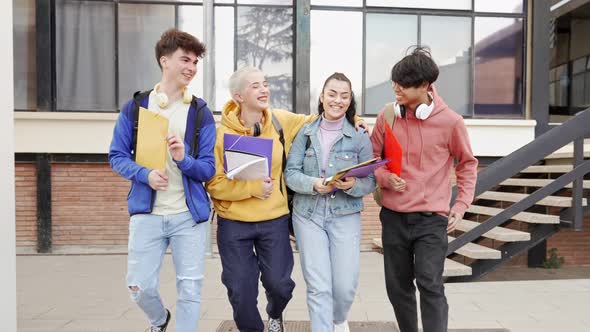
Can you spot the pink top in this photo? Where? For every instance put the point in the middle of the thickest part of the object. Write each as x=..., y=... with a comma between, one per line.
x=330, y=131
x=429, y=149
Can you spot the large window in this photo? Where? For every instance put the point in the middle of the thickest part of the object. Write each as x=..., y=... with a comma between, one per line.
x=104, y=50
x=25, y=55
x=475, y=49
x=498, y=67
x=265, y=41
x=333, y=36
x=85, y=55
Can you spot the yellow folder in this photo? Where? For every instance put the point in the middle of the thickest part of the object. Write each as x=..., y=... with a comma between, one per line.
x=151, y=140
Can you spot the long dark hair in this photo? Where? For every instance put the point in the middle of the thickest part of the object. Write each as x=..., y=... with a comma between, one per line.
x=351, y=111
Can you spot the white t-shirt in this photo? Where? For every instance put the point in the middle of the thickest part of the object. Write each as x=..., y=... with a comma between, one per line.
x=173, y=199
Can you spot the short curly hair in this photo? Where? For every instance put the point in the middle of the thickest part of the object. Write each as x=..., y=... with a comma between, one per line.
x=173, y=39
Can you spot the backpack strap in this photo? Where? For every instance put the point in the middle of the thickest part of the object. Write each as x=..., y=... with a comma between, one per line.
x=198, y=122
x=389, y=116
x=138, y=96
x=279, y=129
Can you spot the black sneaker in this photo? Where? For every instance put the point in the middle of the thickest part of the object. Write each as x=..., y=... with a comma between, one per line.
x=276, y=325
x=162, y=328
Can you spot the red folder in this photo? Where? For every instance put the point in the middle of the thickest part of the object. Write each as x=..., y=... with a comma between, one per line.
x=392, y=150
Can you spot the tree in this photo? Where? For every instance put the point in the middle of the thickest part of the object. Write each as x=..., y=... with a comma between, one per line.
x=265, y=37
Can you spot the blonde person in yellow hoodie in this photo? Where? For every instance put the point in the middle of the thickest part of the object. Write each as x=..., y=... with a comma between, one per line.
x=252, y=215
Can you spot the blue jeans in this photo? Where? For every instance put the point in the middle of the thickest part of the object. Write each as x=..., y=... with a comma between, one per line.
x=149, y=237
x=249, y=250
x=329, y=249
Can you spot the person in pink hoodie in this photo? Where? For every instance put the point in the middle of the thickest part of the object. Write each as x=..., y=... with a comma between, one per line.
x=416, y=214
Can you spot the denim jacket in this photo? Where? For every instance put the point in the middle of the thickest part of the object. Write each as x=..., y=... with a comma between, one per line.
x=303, y=168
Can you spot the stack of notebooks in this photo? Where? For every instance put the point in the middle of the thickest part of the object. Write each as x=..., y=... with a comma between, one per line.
x=247, y=157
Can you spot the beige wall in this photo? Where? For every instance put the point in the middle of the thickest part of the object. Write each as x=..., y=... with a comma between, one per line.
x=7, y=204
x=91, y=133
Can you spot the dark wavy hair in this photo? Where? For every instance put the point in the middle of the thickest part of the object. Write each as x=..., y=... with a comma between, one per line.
x=415, y=68
x=351, y=111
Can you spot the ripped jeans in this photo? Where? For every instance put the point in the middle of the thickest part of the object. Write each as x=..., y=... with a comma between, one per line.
x=149, y=237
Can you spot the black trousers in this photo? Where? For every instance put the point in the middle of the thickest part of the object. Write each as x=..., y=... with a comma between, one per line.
x=414, y=247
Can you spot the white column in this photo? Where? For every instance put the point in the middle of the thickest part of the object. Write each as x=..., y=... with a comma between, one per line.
x=7, y=209
x=209, y=79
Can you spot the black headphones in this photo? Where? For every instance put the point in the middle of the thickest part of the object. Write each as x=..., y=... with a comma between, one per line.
x=256, y=129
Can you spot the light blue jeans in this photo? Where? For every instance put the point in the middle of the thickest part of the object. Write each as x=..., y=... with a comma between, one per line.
x=329, y=250
x=149, y=237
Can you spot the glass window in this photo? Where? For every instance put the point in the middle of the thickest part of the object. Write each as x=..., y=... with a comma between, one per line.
x=562, y=88
x=453, y=57
x=382, y=50
x=265, y=40
x=225, y=1
x=587, y=89
x=85, y=55
x=578, y=90
x=336, y=46
x=579, y=65
x=339, y=3
x=498, y=6
x=552, y=94
x=266, y=2
x=498, y=59
x=25, y=55
x=224, y=54
x=140, y=27
x=190, y=19
x=433, y=4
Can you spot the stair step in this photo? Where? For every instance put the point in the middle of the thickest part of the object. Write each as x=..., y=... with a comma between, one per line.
x=476, y=251
x=496, y=233
x=538, y=183
x=452, y=268
x=534, y=218
x=548, y=169
x=558, y=201
x=567, y=152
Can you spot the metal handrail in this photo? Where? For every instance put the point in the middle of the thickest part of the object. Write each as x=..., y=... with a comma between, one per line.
x=573, y=130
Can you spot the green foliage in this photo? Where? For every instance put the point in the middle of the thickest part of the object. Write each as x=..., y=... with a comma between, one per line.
x=553, y=261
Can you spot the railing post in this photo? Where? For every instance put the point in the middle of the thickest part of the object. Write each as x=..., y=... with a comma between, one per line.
x=578, y=186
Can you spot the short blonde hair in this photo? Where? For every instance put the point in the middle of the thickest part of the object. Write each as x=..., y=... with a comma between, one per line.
x=237, y=81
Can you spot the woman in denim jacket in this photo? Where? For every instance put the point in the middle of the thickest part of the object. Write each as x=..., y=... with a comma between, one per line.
x=326, y=218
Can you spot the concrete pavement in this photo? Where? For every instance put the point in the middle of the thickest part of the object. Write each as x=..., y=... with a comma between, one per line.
x=88, y=293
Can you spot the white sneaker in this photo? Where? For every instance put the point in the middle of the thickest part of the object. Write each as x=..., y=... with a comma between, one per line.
x=342, y=327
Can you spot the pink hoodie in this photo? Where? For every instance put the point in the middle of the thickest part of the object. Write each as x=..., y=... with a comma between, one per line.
x=429, y=148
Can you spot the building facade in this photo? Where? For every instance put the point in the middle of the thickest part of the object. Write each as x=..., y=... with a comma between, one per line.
x=77, y=61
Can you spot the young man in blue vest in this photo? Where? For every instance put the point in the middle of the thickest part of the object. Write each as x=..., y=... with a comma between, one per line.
x=168, y=208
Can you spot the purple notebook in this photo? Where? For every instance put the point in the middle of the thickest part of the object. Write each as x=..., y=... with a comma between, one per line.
x=360, y=171
x=248, y=144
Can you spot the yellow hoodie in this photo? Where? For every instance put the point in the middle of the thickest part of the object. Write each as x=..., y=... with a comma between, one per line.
x=234, y=199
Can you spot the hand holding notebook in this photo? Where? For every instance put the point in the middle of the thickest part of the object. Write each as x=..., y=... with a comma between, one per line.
x=151, y=140
x=359, y=170
x=247, y=157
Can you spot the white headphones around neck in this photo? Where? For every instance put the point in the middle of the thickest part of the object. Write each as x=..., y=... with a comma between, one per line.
x=423, y=111
x=162, y=99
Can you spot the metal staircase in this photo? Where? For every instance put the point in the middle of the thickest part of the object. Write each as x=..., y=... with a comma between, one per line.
x=523, y=199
